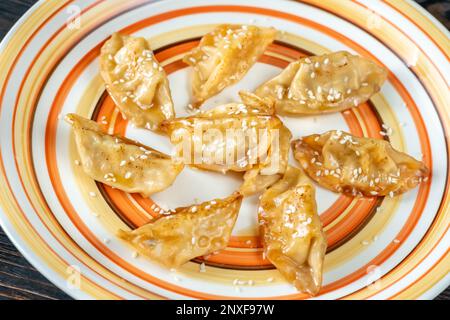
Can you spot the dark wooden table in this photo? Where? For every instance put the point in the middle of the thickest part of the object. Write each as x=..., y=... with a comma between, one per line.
x=18, y=279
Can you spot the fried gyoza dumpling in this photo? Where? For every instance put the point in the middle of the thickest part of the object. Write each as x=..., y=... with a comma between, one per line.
x=190, y=232
x=344, y=163
x=292, y=231
x=260, y=177
x=135, y=81
x=224, y=56
x=328, y=83
x=234, y=137
x=120, y=162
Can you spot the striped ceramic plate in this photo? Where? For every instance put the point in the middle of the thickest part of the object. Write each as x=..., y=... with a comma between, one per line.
x=65, y=223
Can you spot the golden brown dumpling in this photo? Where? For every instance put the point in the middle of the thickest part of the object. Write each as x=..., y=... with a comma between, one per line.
x=344, y=163
x=190, y=232
x=120, y=162
x=260, y=177
x=135, y=81
x=234, y=137
x=224, y=56
x=328, y=83
x=292, y=231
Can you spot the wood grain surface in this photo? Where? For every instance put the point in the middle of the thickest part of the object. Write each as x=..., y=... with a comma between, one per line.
x=20, y=280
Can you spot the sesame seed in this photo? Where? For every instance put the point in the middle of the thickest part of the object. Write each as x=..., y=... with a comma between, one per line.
x=92, y=194
x=202, y=267
x=396, y=241
x=269, y=279
x=77, y=162
x=95, y=214
x=364, y=242
x=135, y=254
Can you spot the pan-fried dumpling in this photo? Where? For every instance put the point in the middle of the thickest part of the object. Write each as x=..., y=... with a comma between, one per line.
x=135, y=81
x=190, y=232
x=224, y=56
x=292, y=231
x=120, y=162
x=234, y=137
x=259, y=177
x=320, y=84
x=344, y=163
